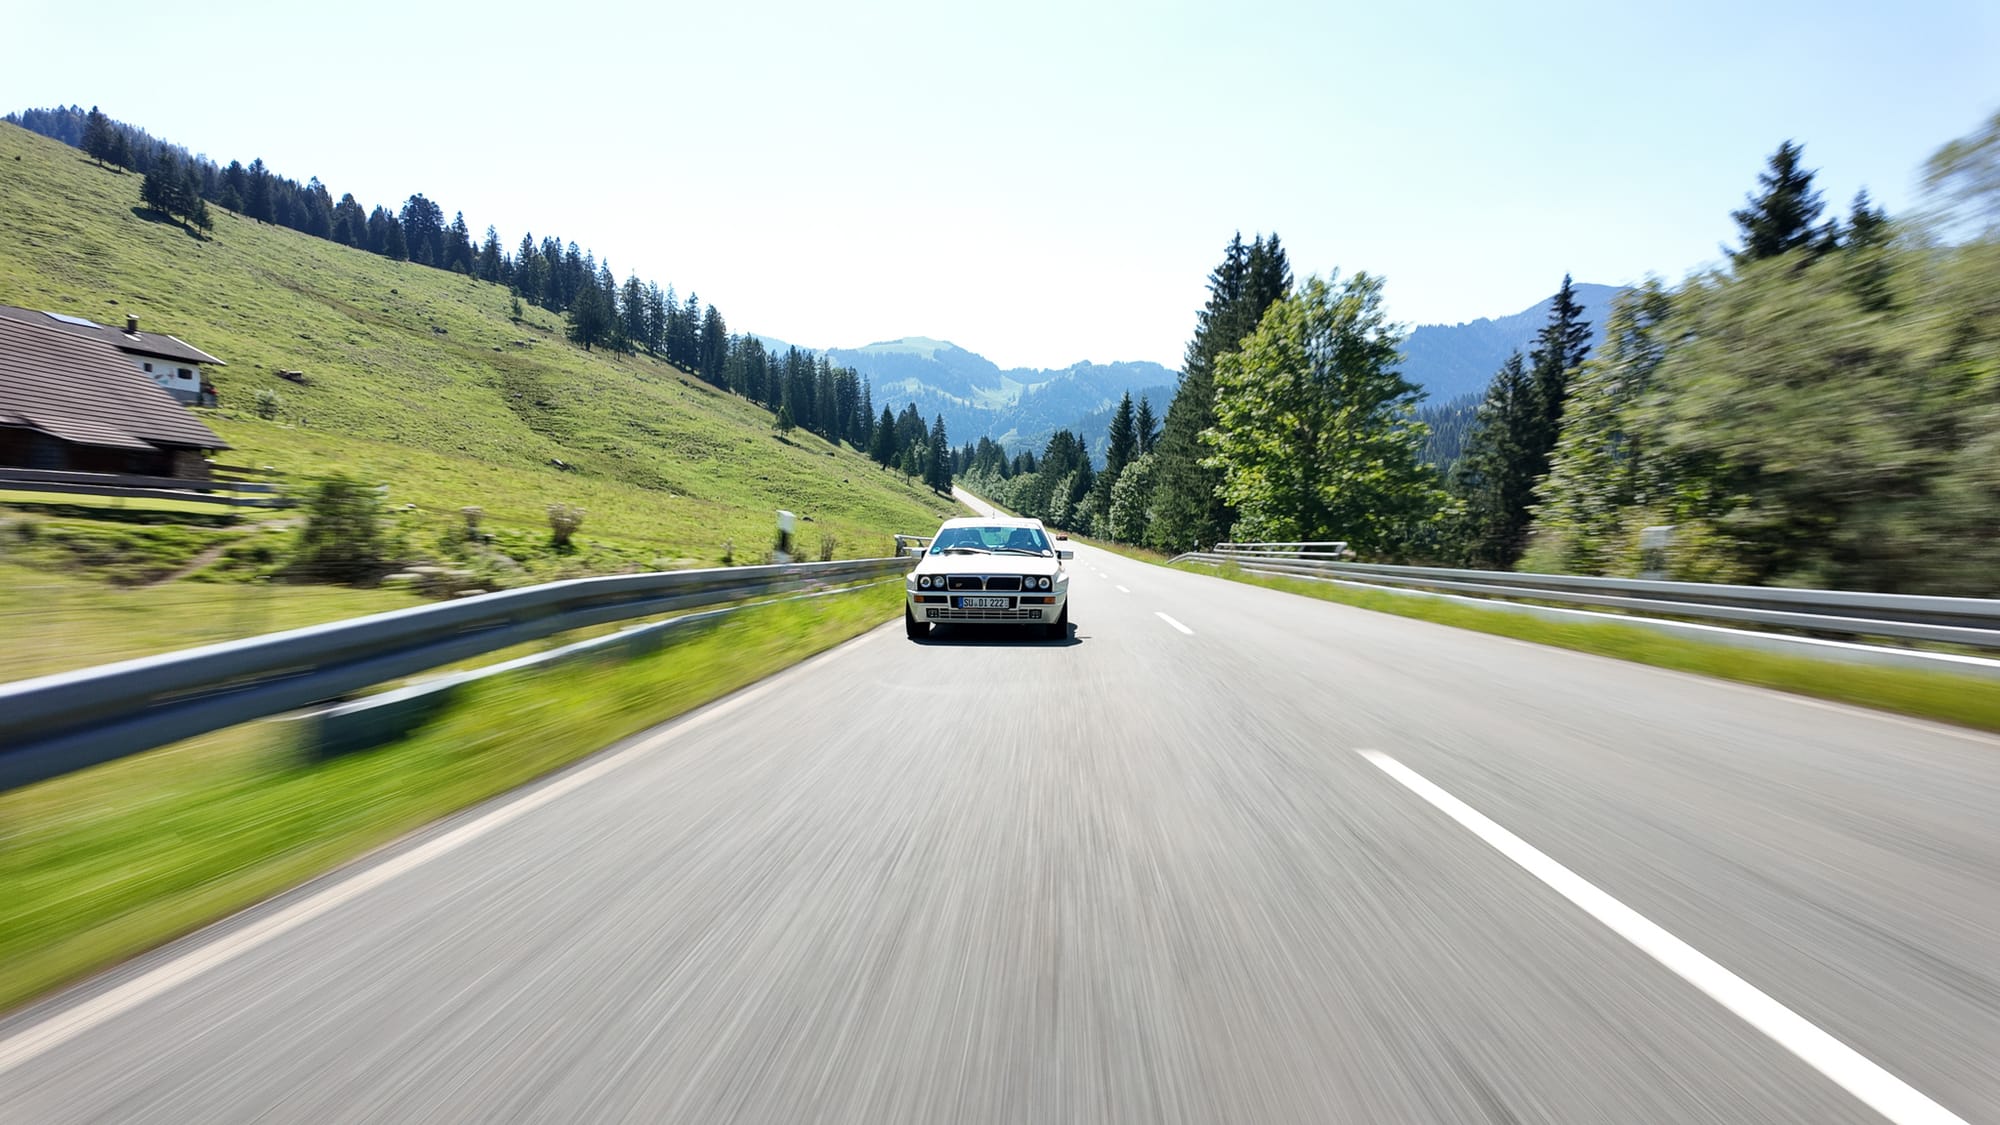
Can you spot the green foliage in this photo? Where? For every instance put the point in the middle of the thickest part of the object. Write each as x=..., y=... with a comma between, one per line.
x=1963, y=178
x=267, y=403
x=342, y=539
x=1188, y=507
x=1857, y=447
x=1513, y=436
x=1315, y=435
x=1781, y=217
x=1131, y=500
x=1580, y=525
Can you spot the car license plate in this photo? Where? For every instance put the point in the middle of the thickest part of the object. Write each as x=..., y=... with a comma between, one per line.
x=985, y=603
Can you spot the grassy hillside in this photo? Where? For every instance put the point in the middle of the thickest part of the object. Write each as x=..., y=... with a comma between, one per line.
x=420, y=380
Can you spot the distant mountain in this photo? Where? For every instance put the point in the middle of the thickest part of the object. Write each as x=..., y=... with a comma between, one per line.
x=1449, y=360
x=1018, y=407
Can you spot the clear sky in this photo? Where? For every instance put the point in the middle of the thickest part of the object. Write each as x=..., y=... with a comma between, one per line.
x=1047, y=183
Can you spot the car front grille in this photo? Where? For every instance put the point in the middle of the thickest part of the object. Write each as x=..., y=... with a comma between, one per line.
x=1008, y=582
x=946, y=613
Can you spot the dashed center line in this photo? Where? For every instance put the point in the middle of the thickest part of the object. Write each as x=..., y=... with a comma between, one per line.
x=1849, y=1069
x=1175, y=624
x=1123, y=590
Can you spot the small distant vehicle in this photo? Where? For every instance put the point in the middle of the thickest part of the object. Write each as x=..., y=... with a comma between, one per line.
x=989, y=571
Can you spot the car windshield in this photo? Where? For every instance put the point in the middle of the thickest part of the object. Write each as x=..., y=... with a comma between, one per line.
x=984, y=539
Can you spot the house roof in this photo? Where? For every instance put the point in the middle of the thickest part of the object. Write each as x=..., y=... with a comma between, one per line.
x=158, y=345
x=78, y=388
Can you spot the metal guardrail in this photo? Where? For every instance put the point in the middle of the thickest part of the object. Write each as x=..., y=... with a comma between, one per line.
x=1972, y=622
x=68, y=721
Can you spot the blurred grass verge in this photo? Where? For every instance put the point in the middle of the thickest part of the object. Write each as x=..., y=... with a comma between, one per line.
x=1963, y=700
x=105, y=864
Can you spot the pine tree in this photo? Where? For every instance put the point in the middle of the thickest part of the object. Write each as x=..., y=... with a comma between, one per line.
x=1781, y=217
x=1145, y=428
x=162, y=182
x=97, y=137
x=1188, y=506
x=1560, y=347
x=1122, y=443
x=882, y=442
x=1496, y=474
x=937, y=465
x=1596, y=468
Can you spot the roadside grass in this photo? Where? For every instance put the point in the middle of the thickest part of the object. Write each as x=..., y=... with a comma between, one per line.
x=102, y=865
x=1138, y=554
x=420, y=379
x=1964, y=700
x=57, y=622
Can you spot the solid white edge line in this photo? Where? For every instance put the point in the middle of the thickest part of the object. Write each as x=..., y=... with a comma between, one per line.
x=1849, y=1069
x=1175, y=624
x=60, y=1027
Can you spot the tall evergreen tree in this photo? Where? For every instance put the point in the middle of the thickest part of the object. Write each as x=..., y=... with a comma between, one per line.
x=1781, y=217
x=1561, y=346
x=937, y=466
x=1122, y=443
x=1145, y=429
x=882, y=442
x=1515, y=435
x=97, y=136
x=1496, y=474
x=1188, y=505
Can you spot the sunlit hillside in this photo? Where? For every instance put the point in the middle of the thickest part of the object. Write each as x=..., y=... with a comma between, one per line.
x=422, y=380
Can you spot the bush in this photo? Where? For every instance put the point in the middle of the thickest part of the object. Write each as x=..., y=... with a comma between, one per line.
x=564, y=519
x=342, y=540
x=473, y=514
x=826, y=545
x=267, y=403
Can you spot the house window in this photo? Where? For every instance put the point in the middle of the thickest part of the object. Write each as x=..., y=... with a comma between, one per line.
x=149, y=369
x=186, y=374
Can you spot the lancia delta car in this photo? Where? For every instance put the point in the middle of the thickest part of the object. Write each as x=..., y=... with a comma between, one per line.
x=989, y=571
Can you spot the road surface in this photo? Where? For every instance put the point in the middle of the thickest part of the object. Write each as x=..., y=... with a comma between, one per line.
x=1226, y=855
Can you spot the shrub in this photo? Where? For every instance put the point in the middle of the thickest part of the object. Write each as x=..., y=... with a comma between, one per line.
x=267, y=403
x=729, y=552
x=473, y=514
x=826, y=545
x=564, y=519
x=342, y=540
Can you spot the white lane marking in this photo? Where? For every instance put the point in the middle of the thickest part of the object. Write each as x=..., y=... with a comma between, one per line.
x=1849, y=1069
x=1123, y=590
x=59, y=1028
x=1175, y=624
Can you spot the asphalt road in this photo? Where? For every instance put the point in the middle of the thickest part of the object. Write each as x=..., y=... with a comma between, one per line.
x=1147, y=875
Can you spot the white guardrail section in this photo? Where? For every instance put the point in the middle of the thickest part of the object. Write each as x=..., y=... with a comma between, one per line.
x=1969, y=622
x=56, y=724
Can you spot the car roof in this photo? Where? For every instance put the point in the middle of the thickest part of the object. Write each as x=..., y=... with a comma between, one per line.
x=991, y=521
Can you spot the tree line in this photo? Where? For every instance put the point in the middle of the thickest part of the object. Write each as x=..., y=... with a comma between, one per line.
x=1823, y=411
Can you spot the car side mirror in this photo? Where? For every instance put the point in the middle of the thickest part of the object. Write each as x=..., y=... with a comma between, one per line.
x=1065, y=554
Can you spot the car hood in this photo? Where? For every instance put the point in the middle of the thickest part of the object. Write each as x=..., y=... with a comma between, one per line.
x=988, y=564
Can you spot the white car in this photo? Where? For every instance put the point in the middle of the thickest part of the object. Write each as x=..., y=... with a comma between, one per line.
x=989, y=571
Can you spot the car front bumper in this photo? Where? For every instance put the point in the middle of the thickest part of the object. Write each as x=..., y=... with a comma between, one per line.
x=1040, y=608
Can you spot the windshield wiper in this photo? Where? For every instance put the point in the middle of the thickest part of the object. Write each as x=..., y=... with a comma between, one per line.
x=1024, y=551
x=963, y=547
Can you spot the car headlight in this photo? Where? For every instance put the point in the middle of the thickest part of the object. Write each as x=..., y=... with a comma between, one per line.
x=924, y=581
x=1044, y=581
